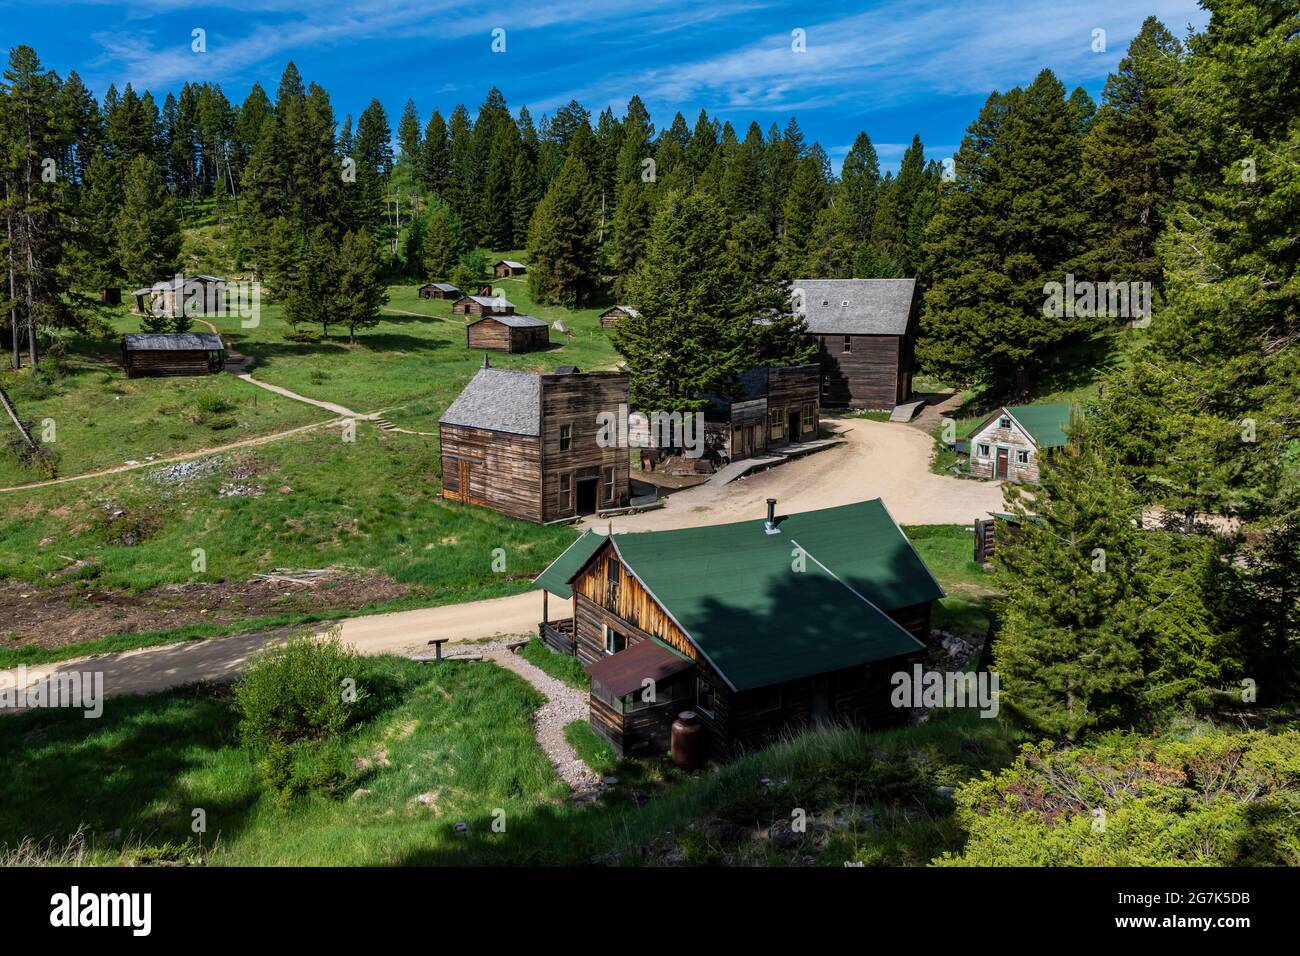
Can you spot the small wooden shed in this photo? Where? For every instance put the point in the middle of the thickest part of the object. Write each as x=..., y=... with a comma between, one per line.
x=481, y=305
x=507, y=268
x=612, y=316
x=172, y=353
x=508, y=333
x=439, y=290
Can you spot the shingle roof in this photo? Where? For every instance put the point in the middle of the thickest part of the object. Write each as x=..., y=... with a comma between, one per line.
x=514, y=321
x=511, y=263
x=491, y=302
x=172, y=342
x=874, y=306
x=163, y=285
x=1045, y=424
x=442, y=286
x=733, y=590
x=622, y=308
x=499, y=400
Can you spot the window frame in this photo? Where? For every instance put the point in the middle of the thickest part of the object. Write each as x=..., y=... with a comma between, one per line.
x=564, y=493
x=846, y=347
x=611, y=484
x=712, y=692
x=1022, y=457
x=983, y=450
x=566, y=436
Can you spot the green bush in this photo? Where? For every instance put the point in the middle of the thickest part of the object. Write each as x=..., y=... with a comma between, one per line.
x=1124, y=800
x=300, y=690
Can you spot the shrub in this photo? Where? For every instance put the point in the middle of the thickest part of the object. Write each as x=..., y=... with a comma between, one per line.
x=1124, y=800
x=299, y=691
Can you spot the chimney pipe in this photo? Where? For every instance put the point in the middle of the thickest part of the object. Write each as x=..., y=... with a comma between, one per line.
x=770, y=525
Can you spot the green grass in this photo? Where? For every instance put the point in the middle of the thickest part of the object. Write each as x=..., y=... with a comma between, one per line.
x=560, y=666
x=948, y=550
x=102, y=419
x=590, y=748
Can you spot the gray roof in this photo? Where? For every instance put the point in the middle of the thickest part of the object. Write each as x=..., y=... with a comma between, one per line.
x=623, y=308
x=444, y=286
x=491, y=302
x=514, y=321
x=509, y=262
x=499, y=400
x=172, y=342
x=162, y=285
x=855, y=306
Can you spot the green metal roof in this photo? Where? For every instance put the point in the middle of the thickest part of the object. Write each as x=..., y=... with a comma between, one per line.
x=556, y=577
x=1046, y=424
x=734, y=590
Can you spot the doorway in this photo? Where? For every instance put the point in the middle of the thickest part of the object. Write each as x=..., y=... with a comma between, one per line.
x=1001, y=470
x=793, y=421
x=587, y=488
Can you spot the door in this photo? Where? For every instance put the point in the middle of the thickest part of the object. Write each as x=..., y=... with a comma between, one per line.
x=1001, y=471
x=462, y=479
x=794, y=425
x=739, y=442
x=821, y=700
x=587, y=488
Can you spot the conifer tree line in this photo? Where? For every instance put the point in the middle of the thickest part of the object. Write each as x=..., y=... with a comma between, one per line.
x=292, y=179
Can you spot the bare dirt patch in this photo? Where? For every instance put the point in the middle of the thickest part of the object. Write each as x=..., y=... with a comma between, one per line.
x=68, y=613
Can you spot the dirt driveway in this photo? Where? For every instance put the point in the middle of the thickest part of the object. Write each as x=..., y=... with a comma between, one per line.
x=883, y=460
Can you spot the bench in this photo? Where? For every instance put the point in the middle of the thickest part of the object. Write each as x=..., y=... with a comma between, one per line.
x=514, y=647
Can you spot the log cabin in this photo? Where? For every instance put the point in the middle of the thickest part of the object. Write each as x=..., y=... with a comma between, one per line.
x=865, y=332
x=481, y=305
x=526, y=444
x=172, y=353
x=760, y=627
x=1015, y=440
x=190, y=295
x=439, y=290
x=612, y=316
x=508, y=333
x=507, y=268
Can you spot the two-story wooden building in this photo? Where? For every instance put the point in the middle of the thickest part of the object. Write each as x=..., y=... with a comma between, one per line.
x=766, y=407
x=759, y=627
x=528, y=444
x=865, y=330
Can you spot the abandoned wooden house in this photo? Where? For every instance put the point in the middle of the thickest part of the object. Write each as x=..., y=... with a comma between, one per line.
x=187, y=295
x=439, y=290
x=172, y=353
x=508, y=333
x=481, y=305
x=759, y=627
x=767, y=407
x=1012, y=442
x=865, y=330
x=506, y=268
x=999, y=527
x=527, y=444
x=612, y=316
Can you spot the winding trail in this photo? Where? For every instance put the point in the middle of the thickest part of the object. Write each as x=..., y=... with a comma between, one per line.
x=564, y=705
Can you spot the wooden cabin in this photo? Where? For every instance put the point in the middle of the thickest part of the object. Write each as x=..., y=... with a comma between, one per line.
x=507, y=268
x=172, y=353
x=865, y=331
x=183, y=295
x=1012, y=442
x=508, y=333
x=766, y=407
x=481, y=305
x=989, y=531
x=730, y=622
x=527, y=444
x=439, y=290
x=612, y=316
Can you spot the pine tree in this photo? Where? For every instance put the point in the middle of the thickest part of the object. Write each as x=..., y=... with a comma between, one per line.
x=359, y=289
x=148, y=232
x=444, y=240
x=563, y=250
x=803, y=205
x=408, y=134
x=1068, y=654
x=497, y=216
x=97, y=264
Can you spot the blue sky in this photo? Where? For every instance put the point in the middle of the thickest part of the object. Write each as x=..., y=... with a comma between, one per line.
x=890, y=67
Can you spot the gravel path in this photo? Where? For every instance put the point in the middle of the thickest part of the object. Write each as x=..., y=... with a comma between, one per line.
x=564, y=705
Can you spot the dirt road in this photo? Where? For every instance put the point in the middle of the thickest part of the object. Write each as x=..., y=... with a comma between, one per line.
x=877, y=460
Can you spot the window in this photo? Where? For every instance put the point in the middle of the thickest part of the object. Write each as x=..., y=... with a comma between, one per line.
x=848, y=344
x=613, y=578
x=705, y=698
x=614, y=641
x=1004, y=422
x=774, y=424
x=826, y=386
x=610, y=485
x=982, y=450
x=566, y=437
x=1022, y=457
x=565, y=502
x=809, y=416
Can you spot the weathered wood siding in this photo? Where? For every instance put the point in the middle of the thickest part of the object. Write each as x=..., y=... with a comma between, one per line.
x=495, y=469
x=610, y=318
x=165, y=362
x=794, y=388
x=489, y=334
x=874, y=373
x=467, y=306
x=575, y=401
x=1013, y=439
x=628, y=608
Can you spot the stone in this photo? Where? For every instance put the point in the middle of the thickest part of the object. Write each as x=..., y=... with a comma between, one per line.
x=359, y=794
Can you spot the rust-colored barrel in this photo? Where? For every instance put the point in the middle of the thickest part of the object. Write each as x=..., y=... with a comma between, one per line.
x=688, y=740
